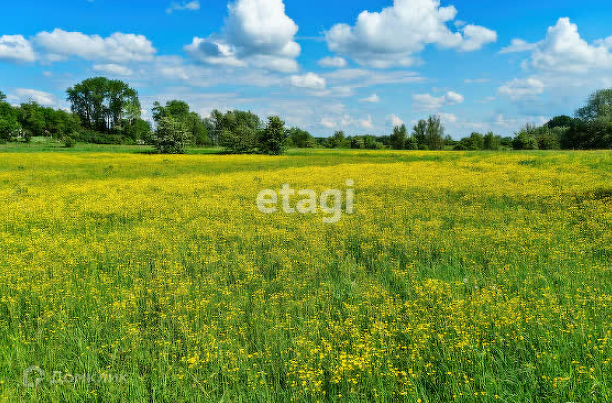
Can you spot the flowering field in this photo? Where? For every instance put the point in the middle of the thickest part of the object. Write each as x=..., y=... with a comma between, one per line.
x=469, y=277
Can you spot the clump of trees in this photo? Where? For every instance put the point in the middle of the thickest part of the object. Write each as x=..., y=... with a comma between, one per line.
x=590, y=129
x=243, y=132
x=427, y=134
x=30, y=119
x=109, y=111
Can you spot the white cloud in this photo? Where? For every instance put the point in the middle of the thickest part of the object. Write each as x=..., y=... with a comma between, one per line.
x=189, y=6
x=475, y=37
x=374, y=99
x=113, y=69
x=40, y=97
x=564, y=51
x=15, y=48
x=448, y=117
x=522, y=88
x=117, y=48
x=429, y=102
x=518, y=46
x=394, y=35
x=328, y=123
x=395, y=121
x=309, y=80
x=256, y=32
x=333, y=62
x=367, y=122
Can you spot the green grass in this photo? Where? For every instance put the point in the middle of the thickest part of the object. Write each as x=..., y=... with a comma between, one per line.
x=462, y=276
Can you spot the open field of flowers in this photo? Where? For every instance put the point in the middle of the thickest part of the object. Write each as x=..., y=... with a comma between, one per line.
x=469, y=277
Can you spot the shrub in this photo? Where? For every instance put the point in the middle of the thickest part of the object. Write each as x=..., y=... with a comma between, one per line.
x=171, y=137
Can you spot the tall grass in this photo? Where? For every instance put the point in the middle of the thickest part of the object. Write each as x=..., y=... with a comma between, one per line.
x=468, y=277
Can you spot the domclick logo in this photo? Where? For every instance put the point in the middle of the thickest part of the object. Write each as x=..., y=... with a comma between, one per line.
x=33, y=376
x=267, y=201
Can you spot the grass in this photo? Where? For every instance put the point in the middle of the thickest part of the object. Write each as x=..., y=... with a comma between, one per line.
x=469, y=277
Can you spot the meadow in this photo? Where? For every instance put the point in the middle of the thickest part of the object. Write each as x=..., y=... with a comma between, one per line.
x=468, y=277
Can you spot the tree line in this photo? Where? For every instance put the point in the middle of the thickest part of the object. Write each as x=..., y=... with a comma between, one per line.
x=107, y=111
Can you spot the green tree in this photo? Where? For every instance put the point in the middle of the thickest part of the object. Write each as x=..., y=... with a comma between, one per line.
x=102, y=104
x=9, y=124
x=273, y=139
x=398, y=138
x=491, y=142
x=170, y=137
x=338, y=140
x=412, y=143
x=435, y=133
x=179, y=110
x=599, y=106
x=300, y=138
x=419, y=132
x=2, y=96
x=525, y=139
x=242, y=139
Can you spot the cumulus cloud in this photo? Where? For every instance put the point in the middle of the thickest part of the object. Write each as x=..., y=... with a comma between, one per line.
x=309, y=80
x=40, y=97
x=522, y=88
x=333, y=62
x=16, y=48
x=373, y=99
x=394, y=35
x=117, y=48
x=564, y=51
x=189, y=6
x=256, y=32
x=429, y=102
x=113, y=69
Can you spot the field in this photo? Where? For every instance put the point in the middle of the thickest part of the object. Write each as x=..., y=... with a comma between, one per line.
x=470, y=277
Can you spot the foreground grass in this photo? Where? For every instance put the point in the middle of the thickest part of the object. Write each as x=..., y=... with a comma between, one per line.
x=469, y=277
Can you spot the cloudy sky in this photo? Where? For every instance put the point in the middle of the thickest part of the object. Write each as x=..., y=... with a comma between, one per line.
x=362, y=66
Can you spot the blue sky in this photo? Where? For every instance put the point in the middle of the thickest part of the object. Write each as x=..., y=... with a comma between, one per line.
x=359, y=66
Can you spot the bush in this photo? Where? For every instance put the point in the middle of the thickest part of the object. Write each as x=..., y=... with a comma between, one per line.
x=171, y=137
x=69, y=142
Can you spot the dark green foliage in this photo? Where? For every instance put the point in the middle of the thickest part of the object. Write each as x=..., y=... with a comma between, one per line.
x=398, y=138
x=9, y=123
x=273, y=139
x=300, y=138
x=491, y=142
x=525, y=139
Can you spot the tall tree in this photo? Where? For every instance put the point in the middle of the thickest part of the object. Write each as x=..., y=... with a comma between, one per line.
x=599, y=106
x=2, y=96
x=273, y=138
x=398, y=138
x=419, y=132
x=435, y=133
x=103, y=104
